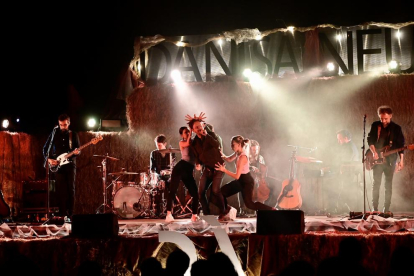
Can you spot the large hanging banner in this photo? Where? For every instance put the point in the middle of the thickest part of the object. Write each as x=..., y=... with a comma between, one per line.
x=277, y=53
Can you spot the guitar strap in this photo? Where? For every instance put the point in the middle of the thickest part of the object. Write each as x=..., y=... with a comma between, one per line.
x=70, y=140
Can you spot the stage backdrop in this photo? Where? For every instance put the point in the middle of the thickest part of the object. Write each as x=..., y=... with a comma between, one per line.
x=302, y=112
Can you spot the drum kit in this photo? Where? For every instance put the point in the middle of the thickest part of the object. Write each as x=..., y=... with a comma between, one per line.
x=129, y=199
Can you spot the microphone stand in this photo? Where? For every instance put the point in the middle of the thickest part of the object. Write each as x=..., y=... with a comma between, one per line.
x=363, y=159
x=362, y=215
x=46, y=165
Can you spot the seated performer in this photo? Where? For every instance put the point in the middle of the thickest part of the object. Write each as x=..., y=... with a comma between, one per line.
x=160, y=161
x=183, y=171
x=244, y=182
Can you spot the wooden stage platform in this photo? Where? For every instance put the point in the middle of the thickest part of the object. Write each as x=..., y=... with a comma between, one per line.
x=52, y=250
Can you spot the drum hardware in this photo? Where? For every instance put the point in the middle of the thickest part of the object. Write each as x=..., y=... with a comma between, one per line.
x=106, y=156
x=122, y=173
x=104, y=205
x=132, y=202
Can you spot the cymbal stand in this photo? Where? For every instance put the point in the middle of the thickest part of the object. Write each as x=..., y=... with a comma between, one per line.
x=104, y=205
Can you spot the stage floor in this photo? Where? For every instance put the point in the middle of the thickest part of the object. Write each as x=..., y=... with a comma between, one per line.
x=52, y=250
x=146, y=227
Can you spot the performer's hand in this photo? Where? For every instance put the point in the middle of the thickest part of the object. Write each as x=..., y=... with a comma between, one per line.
x=376, y=156
x=198, y=167
x=220, y=167
x=53, y=162
x=400, y=166
x=76, y=151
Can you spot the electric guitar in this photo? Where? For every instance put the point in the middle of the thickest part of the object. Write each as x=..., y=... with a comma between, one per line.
x=64, y=157
x=382, y=153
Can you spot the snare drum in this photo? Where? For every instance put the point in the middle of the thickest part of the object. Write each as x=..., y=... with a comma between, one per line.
x=131, y=201
x=154, y=178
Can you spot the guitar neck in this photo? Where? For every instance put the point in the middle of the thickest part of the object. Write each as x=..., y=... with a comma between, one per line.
x=80, y=148
x=394, y=151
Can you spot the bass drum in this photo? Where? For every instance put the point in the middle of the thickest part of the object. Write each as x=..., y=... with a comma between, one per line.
x=131, y=202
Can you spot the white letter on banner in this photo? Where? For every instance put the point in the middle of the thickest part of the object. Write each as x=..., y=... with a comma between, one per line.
x=188, y=247
x=183, y=242
x=224, y=242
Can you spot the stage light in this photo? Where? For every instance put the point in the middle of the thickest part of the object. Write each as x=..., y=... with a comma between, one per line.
x=398, y=34
x=291, y=29
x=330, y=66
x=394, y=67
x=139, y=66
x=338, y=37
x=17, y=120
x=176, y=75
x=5, y=124
x=330, y=70
x=180, y=44
x=91, y=123
x=258, y=37
x=247, y=72
x=220, y=42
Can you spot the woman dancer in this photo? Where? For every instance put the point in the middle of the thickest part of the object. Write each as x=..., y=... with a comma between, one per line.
x=183, y=171
x=243, y=182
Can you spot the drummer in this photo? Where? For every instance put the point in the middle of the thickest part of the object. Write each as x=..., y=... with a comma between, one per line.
x=160, y=162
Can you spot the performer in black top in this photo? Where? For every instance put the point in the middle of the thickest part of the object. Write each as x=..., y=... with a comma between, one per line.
x=161, y=161
x=385, y=133
x=206, y=148
x=62, y=140
x=184, y=170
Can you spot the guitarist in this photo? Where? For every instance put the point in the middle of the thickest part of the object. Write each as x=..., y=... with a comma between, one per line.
x=62, y=140
x=385, y=133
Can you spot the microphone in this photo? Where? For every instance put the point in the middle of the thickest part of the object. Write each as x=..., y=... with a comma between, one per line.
x=56, y=126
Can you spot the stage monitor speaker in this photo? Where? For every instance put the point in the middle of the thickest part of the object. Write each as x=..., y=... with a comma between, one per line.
x=95, y=226
x=273, y=222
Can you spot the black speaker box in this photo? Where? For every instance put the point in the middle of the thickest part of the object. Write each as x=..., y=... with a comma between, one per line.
x=95, y=226
x=273, y=222
x=34, y=194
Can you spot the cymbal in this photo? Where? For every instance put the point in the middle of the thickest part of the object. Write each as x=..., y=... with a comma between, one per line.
x=106, y=156
x=302, y=159
x=122, y=173
x=172, y=150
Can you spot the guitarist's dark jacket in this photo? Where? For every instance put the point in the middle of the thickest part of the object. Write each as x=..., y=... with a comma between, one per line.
x=391, y=136
x=61, y=145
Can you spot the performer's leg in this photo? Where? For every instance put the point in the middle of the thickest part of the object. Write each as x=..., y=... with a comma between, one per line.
x=205, y=183
x=71, y=191
x=389, y=174
x=176, y=174
x=247, y=183
x=229, y=189
x=377, y=174
x=218, y=198
x=190, y=184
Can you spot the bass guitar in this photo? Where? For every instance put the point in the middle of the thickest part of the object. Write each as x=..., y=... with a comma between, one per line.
x=289, y=197
x=4, y=208
x=64, y=157
x=382, y=154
